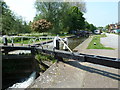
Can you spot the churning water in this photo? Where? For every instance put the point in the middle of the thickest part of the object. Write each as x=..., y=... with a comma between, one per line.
x=26, y=83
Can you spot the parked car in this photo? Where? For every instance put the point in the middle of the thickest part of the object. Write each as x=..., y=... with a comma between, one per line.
x=97, y=31
x=116, y=31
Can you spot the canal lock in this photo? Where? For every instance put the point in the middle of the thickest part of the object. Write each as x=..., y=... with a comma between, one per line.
x=19, y=69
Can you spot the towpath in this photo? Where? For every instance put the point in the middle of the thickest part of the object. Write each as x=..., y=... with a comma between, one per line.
x=110, y=41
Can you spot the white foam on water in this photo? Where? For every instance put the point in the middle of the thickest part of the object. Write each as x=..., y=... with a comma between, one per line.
x=26, y=83
x=20, y=51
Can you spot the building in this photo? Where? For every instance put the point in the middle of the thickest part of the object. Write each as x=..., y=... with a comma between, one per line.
x=114, y=27
x=118, y=25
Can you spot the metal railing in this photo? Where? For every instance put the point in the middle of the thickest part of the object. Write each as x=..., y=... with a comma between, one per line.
x=30, y=39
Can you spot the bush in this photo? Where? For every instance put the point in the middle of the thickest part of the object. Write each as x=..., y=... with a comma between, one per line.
x=41, y=25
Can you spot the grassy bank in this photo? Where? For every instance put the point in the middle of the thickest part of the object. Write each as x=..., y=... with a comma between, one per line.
x=95, y=43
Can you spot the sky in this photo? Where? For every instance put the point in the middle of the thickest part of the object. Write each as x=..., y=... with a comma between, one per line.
x=99, y=12
x=24, y=8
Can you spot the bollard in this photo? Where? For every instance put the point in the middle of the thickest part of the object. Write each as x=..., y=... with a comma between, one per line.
x=66, y=42
x=57, y=46
x=94, y=43
x=5, y=41
x=56, y=43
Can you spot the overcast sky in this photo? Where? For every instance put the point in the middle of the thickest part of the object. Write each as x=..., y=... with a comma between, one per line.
x=99, y=12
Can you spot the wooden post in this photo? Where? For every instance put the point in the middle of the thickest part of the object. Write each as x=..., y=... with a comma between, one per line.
x=12, y=41
x=33, y=52
x=57, y=46
x=6, y=52
x=5, y=41
x=56, y=43
x=22, y=41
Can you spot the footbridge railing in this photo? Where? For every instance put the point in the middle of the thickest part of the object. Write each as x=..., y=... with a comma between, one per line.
x=23, y=38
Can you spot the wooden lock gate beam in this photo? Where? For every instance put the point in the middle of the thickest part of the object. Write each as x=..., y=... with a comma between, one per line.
x=106, y=61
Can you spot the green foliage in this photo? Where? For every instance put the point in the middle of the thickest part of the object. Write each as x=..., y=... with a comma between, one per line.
x=5, y=18
x=44, y=57
x=100, y=28
x=103, y=35
x=90, y=27
x=87, y=26
x=98, y=45
x=76, y=19
x=60, y=15
x=49, y=11
x=107, y=27
x=10, y=23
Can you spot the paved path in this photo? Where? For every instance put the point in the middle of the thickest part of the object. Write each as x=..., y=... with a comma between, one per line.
x=111, y=40
x=101, y=52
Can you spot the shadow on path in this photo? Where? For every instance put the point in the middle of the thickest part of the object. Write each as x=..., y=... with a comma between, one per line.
x=93, y=70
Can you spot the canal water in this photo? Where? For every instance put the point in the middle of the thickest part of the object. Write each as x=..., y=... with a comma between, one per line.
x=25, y=83
x=74, y=42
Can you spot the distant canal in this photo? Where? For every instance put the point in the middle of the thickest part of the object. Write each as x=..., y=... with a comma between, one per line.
x=74, y=42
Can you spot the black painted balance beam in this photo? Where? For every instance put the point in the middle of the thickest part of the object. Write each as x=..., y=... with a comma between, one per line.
x=106, y=61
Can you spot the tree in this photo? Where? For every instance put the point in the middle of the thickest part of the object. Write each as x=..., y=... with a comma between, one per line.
x=6, y=18
x=58, y=14
x=76, y=19
x=100, y=28
x=20, y=26
x=87, y=26
x=11, y=23
x=41, y=25
x=107, y=27
x=81, y=5
x=51, y=11
x=92, y=27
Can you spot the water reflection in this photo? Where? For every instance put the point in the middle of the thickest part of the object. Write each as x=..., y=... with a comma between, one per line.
x=74, y=42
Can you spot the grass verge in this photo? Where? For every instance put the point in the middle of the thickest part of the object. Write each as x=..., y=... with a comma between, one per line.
x=95, y=43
